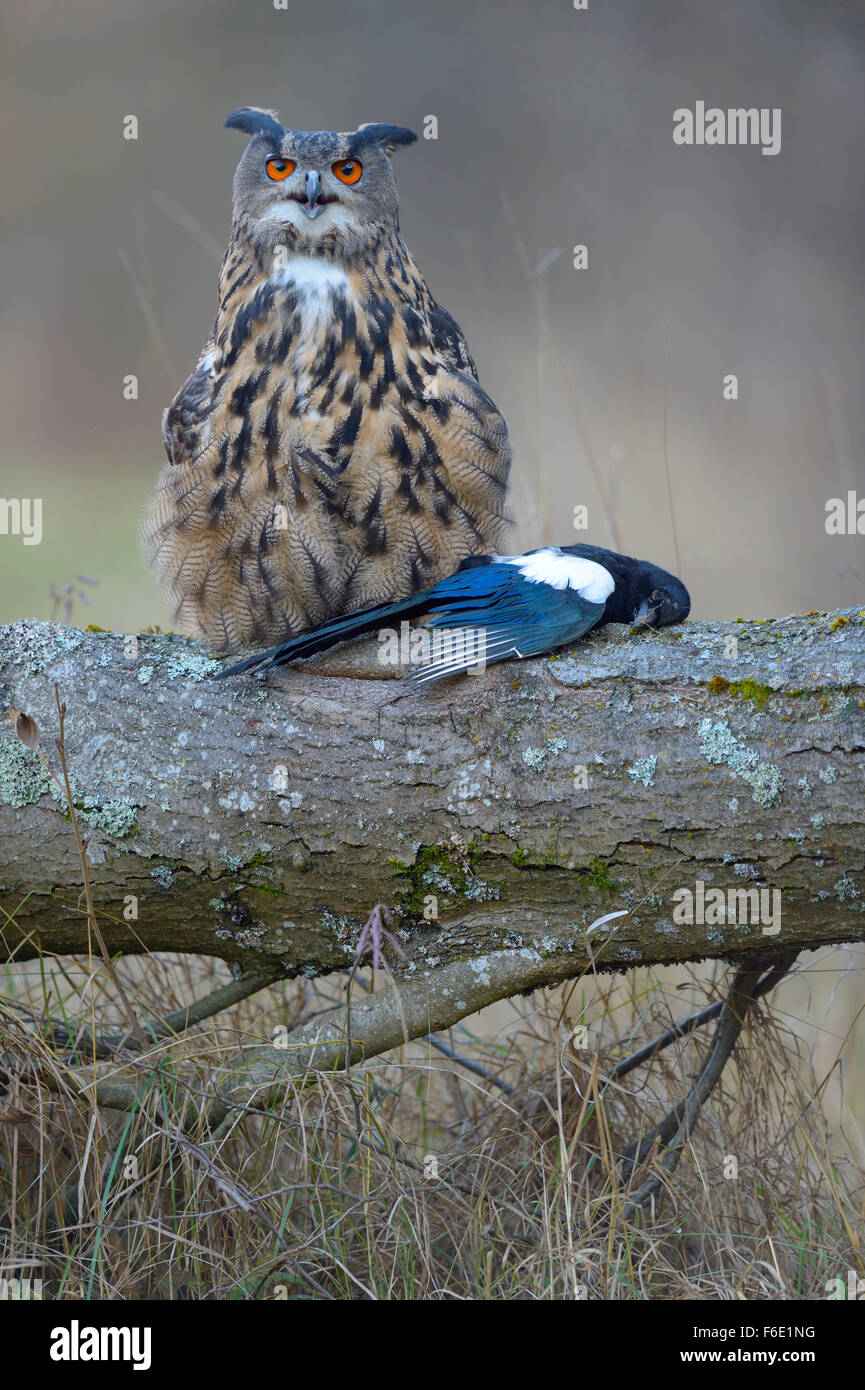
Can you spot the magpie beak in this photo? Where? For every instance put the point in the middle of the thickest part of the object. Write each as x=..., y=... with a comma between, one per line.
x=669, y=603
x=646, y=615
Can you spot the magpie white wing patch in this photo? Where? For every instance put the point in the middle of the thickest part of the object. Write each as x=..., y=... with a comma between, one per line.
x=552, y=566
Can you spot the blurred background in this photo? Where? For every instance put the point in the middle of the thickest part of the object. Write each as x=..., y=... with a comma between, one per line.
x=554, y=129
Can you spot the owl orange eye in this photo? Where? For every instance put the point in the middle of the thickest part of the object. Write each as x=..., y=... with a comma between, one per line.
x=279, y=168
x=348, y=170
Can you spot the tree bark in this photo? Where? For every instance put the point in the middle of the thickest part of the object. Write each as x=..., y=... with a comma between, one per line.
x=499, y=815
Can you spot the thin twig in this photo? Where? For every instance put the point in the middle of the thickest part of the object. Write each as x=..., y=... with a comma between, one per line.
x=104, y=1046
x=469, y=1065
x=246, y=1202
x=681, y=1030
x=677, y=1125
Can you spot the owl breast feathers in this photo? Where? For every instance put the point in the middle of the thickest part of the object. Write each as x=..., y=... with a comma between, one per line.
x=333, y=448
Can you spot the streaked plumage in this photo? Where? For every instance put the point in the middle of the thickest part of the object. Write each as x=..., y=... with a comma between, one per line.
x=523, y=605
x=333, y=448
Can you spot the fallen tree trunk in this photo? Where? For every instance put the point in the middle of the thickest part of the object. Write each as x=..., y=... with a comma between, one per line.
x=500, y=815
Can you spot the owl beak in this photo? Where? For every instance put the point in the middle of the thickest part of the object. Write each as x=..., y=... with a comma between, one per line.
x=313, y=187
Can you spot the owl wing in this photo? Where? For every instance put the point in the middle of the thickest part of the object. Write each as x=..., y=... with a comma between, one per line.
x=448, y=340
x=185, y=427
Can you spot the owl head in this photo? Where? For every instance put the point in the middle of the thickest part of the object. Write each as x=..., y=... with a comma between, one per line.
x=321, y=192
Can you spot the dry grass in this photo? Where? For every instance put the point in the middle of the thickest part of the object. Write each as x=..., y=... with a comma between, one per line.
x=333, y=1193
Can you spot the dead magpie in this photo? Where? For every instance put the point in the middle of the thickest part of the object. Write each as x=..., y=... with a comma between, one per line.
x=495, y=607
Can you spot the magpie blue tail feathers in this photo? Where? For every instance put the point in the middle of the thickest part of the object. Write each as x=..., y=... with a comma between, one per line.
x=360, y=624
x=330, y=634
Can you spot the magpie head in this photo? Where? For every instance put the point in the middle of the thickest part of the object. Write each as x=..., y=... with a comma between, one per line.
x=643, y=595
x=659, y=598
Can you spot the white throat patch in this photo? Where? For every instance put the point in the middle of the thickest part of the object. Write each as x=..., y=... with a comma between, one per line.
x=313, y=275
x=551, y=566
x=316, y=281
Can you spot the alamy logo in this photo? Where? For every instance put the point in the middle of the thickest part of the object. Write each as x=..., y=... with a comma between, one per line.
x=852, y=1291
x=22, y=516
x=415, y=646
x=77, y=1343
x=845, y=518
x=20, y=1290
x=737, y=126
x=740, y=907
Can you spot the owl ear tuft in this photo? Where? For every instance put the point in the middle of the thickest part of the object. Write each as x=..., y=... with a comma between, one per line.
x=388, y=136
x=254, y=120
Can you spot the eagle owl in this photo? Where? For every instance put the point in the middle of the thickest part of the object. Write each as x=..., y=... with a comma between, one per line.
x=332, y=448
